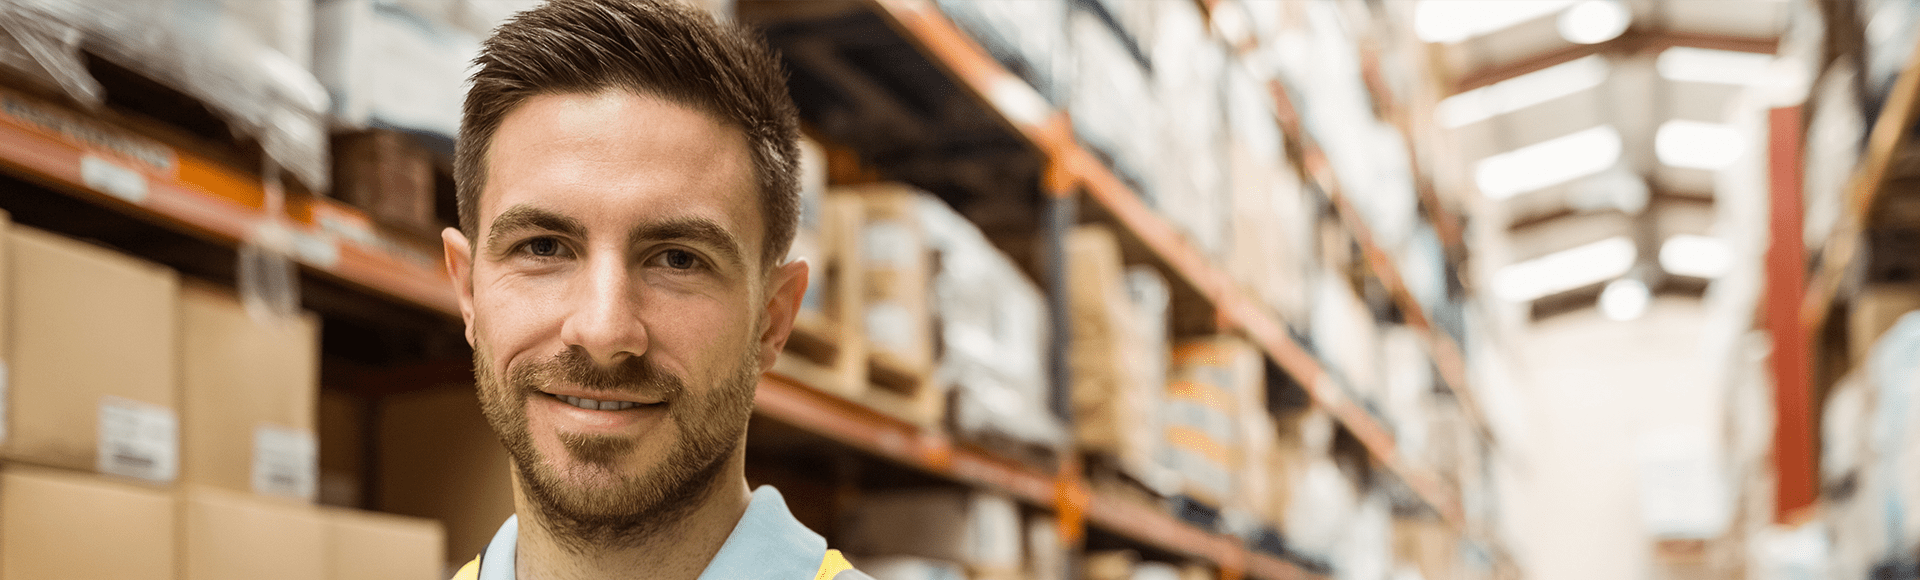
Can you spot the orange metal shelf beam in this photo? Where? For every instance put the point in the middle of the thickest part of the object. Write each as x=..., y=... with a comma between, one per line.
x=96, y=160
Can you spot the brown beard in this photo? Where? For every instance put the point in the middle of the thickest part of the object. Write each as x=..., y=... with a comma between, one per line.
x=711, y=426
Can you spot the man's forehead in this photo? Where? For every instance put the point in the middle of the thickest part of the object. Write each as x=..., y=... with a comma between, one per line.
x=622, y=156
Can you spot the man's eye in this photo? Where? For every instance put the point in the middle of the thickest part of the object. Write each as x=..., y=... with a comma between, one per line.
x=543, y=247
x=680, y=259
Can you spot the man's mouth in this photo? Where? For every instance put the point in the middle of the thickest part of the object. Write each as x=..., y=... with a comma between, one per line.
x=593, y=405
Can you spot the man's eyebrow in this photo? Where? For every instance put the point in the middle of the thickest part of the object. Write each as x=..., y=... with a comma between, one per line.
x=692, y=229
x=522, y=218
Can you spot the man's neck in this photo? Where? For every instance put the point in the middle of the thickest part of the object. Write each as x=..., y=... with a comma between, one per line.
x=680, y=550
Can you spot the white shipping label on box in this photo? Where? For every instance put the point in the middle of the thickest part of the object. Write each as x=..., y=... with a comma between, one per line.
x=140, y=440
x=286, y=462
x=890, y=324
x=888, y=243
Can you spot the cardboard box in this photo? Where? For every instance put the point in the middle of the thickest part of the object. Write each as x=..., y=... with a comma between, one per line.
x=62, y=525
x=896, y=273
x=438, y=459
x=228, y=535
x=1118, y=354
x=92, y=367
x=1209, y=378
x=979, y=530
x=1875, y=309
x=364, y=545
x=342, y=429
x=248, y=389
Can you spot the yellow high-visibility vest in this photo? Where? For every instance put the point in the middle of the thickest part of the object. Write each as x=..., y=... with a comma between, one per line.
x=830, y=565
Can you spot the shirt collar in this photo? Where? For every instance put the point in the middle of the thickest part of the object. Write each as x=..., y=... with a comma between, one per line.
x=767, y=543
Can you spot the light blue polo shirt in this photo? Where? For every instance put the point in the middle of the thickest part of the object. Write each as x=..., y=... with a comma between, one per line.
x=768, y=543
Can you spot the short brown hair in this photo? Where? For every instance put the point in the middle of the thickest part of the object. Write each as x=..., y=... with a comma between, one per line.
x=660, y=48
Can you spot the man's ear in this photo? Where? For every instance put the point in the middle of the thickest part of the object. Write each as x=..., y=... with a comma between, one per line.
x=786, y=285
x=460, y=269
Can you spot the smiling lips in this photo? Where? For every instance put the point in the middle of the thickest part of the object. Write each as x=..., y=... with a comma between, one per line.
x=593, y=405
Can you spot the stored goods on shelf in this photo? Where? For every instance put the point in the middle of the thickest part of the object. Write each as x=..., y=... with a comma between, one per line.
x=1271, y=253
x=1118, y=358
x=1115, y=112
x=979, y=530
x=812, y=237
x=1876, y=308
x=910, y=568
x=389, y=67
x=248, y=388
x=896, y=271
x=1108, y=565
x=1836, y=130
x=1206, y=386
x=1346, y=337
x=374, y=546
x=1892, y=29
x=235, y=536
x=438, y=459
x=63, y=524
x=1190, y=181
x=1424, y=548
x=1406, y=394
x=390, y=175
x=1028, y=37
x=992, y=325
x=1322, y=501
x=246, y=60
x=1046, y=554
x=72, y=303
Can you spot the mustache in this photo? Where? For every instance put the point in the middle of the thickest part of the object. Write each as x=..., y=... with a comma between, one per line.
x=634, y=376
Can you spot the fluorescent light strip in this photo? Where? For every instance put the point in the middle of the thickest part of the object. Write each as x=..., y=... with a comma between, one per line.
x=1522, y=91
x=1548, y=163
x=1564, y=270
x=1697, y=145
x=1697, y=256
x=1701, y=65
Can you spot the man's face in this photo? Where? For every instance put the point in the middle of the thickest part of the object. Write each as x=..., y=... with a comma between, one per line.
x=616, y=303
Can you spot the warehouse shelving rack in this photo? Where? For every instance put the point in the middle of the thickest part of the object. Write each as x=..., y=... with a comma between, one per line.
x=99, y=158
x=1801, y=296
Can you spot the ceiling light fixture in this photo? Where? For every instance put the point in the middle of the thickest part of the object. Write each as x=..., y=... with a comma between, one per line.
x=1549, y=162
x=1594, y=21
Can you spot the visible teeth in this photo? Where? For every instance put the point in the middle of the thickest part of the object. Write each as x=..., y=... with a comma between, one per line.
x=593, y=405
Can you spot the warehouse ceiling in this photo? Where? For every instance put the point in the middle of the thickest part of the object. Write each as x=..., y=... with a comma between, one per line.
x=1594, y=127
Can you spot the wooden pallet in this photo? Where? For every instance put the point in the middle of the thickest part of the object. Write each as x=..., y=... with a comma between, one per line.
x=830, y=350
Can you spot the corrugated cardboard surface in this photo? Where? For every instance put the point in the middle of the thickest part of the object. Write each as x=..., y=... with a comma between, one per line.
x=60, y=525
x=87, y=323
x=374, y=546
x=439, y=459
x=230, y=535
x=237, y=374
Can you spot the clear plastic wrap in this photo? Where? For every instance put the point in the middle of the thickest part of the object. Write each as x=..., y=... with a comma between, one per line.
x=387, y=66
x=1112, y=103
x=1029, y=37
x=993, y=329
x=245, y=59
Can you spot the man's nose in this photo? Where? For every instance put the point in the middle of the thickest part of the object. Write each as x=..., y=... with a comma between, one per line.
x=605, y=319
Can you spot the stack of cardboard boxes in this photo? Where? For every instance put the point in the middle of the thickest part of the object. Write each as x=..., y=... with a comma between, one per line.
x=154, y=429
